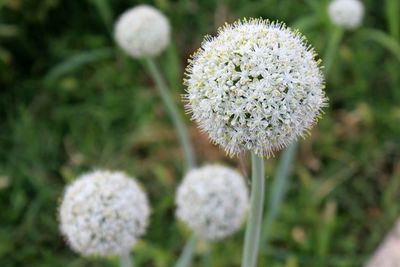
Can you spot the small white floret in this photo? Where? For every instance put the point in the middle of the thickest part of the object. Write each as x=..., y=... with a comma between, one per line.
x=212, y=201
x=142, y=31
x=346, y=13
x=103, y=213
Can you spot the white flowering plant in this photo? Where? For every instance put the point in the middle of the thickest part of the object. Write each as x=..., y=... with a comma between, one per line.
x=142, y=31
x=256, y=86
x=346, y=13
x=212, y=201
x=103, y=213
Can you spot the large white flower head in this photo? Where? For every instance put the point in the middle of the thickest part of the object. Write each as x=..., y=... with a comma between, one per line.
x=212, y=201
x=346, y=13
x=256, y=86
x=142, y=31
x=103, y=213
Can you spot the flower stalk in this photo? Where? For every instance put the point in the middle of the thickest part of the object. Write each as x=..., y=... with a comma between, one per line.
x=188, y=252
x=125, y=260
x=173, y=113
x=278, y=189
x=332, y=48
x=253, y=229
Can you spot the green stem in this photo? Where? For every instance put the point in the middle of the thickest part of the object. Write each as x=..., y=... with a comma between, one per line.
x=330, y=53
x=206, y=257
x=174, y=113
x=187, y=254
x=125, y=260
x=278, y=189
x=253, y=229
x=392, y=15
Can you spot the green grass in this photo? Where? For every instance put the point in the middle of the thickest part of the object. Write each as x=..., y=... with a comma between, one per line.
x=68, y=106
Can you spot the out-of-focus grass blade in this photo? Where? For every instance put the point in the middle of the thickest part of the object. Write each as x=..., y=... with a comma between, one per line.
x=314, y=5
x=75, y=62
x=187, y=255
x=306, y=23
x=331, y=51
x=392, y=13
x=172, y=68
x=8, y=30
x=382, y=39
x=325, y=231
x=104, y=10
x=5, y=56
x=319, y=8
x=278, y=190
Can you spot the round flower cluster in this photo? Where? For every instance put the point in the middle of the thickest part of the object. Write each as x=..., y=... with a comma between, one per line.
x=256, y=86
x=346, y=13
x=212, y=201
x=103, y=213
x=142, y=31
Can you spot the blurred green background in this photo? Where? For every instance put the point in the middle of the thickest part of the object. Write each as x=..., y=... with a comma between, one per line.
x=70, y=102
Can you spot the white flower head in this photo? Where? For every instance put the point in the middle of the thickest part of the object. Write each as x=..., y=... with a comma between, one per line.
x=103, y=213
x=346, y=13
x=142, y=31
x=256, y=86
x=212, y=201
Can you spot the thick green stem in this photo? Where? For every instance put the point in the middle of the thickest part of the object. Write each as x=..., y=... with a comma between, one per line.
x=278, y=189
x=253, y=229
x=174, y=113
x=125, y=260
x=187, y=254
x=330, y=53
x=207, y=256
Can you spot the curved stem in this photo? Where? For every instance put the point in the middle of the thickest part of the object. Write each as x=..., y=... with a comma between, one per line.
x=174, y=113
x=187, y=254
x=125, y=260
x=333, y=44
x=278, y=189
x=253, y=229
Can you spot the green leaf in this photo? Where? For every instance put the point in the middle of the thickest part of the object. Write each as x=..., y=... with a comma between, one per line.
x=105, y=12
x=305, y=23
x=383, y=39
x=392, y=13
x=76, y=62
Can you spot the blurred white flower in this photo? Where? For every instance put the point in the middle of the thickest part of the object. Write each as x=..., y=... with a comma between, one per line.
x=346, y=13
x=142, y=31
x=103, y=213
x=212, y=201
x=256, y=86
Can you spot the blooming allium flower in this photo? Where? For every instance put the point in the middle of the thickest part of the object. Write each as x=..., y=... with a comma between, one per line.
x=103, y=213
x=346, y=13
x=212, y=201
x=142, y=31
x=256, y=86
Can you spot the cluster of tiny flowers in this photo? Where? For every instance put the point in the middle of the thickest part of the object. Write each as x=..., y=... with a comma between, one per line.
x=142, y=31
x=212, y=201
x=103, y=213
x=346, y=13
x=256, y=86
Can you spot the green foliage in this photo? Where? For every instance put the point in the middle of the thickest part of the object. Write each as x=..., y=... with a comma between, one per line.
x=67, y=105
